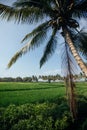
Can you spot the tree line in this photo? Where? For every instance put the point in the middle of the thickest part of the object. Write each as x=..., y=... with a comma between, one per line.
x=33, y=78
x=40, y=78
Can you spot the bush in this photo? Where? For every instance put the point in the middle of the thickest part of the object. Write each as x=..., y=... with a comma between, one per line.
x=33, y=117
x=63, y=123
x=34, y=124
x=84, y=125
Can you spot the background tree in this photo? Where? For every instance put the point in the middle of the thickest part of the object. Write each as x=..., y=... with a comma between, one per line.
x=34, y=78
x=27, y=79
x=18, y=79
x=59, y=17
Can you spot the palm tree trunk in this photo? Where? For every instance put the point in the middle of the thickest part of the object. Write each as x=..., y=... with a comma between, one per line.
x=74, y=52
x=71, y=93
x=71, y=97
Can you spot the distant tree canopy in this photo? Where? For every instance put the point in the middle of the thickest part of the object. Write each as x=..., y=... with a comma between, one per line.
x=31, y=79
x=47, y=78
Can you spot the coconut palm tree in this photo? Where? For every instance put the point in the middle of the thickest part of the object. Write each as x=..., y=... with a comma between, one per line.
x=57, y=16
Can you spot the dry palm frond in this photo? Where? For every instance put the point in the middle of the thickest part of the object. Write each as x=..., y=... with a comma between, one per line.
x=68, y=68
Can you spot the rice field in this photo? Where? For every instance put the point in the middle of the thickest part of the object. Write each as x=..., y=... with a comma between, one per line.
x=22, y=93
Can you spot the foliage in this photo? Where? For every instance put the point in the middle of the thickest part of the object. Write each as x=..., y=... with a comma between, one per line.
x=63, y=123
x=33, y=117
x=42, y=116
x=56, y=15
x=52, y=114
x=31, y=79
x=84, y=125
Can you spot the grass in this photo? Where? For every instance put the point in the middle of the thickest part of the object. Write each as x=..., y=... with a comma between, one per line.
x=22, y=93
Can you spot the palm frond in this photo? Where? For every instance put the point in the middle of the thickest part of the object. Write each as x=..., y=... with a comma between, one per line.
x=14, y=58
x=36, y=41
x=80, y=41
x=80, y=9
x=27, y=3
x=64, y=3
x=50, y=48
x=67, y=58
x=38, y=29
x=44, y=5
x=30, y=14
x=68, y=68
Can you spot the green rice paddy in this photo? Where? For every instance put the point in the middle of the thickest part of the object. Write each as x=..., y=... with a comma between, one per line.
x=22, y=93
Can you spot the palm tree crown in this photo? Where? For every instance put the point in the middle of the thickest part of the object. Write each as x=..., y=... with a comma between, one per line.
x=58, y=14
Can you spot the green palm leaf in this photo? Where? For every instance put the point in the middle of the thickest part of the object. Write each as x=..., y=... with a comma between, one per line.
x=34, y=42
x=30, y=14
x=44, y=5
x=80, y=9
x=38, y=29
x=50, y=48
x=80, y=41
x=27, y=3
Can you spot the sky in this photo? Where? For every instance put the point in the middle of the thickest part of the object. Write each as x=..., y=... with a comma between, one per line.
x=11, y=35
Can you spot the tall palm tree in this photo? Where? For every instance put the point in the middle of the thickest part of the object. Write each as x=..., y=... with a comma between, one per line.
x=58, y=16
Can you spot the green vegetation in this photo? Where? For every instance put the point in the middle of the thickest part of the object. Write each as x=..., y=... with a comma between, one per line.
x=21, y=93
x=34, y=117
x=57, y=16
x=40, y=106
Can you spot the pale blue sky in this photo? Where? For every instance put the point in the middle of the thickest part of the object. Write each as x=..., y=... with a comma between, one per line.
x=11, y=35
